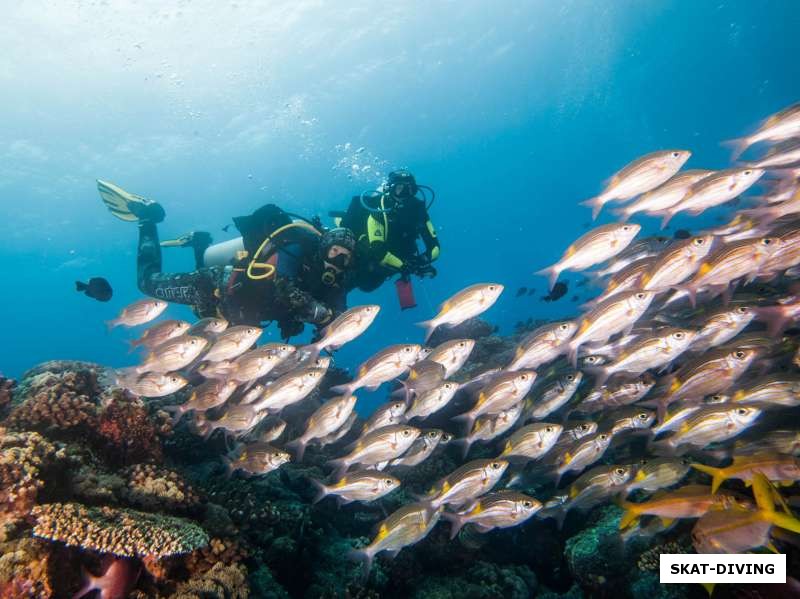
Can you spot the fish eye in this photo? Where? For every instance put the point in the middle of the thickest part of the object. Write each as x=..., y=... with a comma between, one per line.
x=640, y=296
x=748, y=172
x=570, y=377
x=766, y=241
x=742, y=310
x=584, y=427
x=389, y=482
x=679, y=335
x=676, y=154
x=496, y=465
x=626, y=228
x=432, y=434
x=619, y=471
x=742, y=411
x=406, y=432
x=527, y=503
x=548, y=429
x=564, y=327
x=739, y=354
x=603, y=437
x=699, y=241
x=643, y=416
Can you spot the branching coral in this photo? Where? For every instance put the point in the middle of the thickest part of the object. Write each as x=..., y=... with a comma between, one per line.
x=6, y=389
x=123, y=532
x=24, y=567
x=55, y=409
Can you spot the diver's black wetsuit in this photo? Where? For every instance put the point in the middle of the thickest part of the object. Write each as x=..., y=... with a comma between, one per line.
x=387, y=242
x=295, y=295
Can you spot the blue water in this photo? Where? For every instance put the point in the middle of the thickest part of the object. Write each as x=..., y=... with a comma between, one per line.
x=513, y=115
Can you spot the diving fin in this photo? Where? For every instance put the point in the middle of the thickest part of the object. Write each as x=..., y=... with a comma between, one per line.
x=193, y=239
x=129, y=206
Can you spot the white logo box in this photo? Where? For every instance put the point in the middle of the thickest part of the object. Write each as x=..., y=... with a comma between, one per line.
x=722, y=568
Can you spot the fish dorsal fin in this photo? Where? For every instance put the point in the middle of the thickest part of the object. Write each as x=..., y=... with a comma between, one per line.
x=412, y=376
x=445, y=487
x=340, y=483
x=568, y=457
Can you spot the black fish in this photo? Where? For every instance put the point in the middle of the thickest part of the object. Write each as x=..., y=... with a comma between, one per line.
x=575, y=298
x=559, y=290
x=531, y=291
x=522, y=291
x=682, y=234
x=225, y=228
x=97, y=288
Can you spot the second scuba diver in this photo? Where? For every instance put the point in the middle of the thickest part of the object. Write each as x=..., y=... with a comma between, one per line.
x=387, y=224
x=281, y=269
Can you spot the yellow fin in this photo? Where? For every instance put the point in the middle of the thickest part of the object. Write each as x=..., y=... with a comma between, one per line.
x=445, y=487
x=705, y=267
x=382, y=532
x=628, y=518
x=709, y=587
x=718, y=475
x=674, y=386
x=446, y=307
x=667, y=522
x=640, y=476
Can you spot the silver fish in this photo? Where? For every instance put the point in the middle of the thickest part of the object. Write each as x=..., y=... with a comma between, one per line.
x=232, y=343
x=780, y=126
x=153, y=384
x=384, y=366
x=213, y=326
x=349, y=325
x=255, y=459
x=389, y=413
x=502, y=392
x=664, y=196
x=594, y=247
x=159, y=333
x=533, y=441
x=421, y=449
x=640, y=176
x=326, y=419
x=363, y=485
x=452, y=355
x=289, y=389
x=543, y=345
x=466, y=483
x=138, y=313
x=556, y=395
x=381, y=445
x=431, y=401
x=173, y=354
x=465, y=304
x=495, y=510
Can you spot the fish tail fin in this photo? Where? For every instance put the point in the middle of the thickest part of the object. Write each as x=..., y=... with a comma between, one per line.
x=666, y=217
x=468, y=418
x=717, y=475
x=736, y=146
x=89, y=584
x=456, y=523
x=322, y=490
x=364, y=556
x=629, y=517
x=429, y=327
x=623, y=212
x=339, y=466
x=600, y=374
x=709, y=587
x=110, y=324
x=552, y=273
x=772, y=316
x=80, y=286
x=596, y=204
x=311, y=351
x=228, y=463
x=346, y=389
x=298, y=446
x=464, y=445
x=572, y=353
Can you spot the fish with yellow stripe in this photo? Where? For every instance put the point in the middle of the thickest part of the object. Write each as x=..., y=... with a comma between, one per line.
x=467, y=303
x=503, y=509
x=691, y=501
x=406, y=526
x=784, y=469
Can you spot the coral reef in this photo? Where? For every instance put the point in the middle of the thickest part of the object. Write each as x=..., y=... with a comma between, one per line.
x=24, y=569
x=127, y=433
x=58, y=403
x=152, y=488
x=220, y=582
x=120, y=531
x=6, y=392
x=25, y=460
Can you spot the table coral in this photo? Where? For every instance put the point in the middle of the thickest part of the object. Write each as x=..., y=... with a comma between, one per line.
x=119, y=531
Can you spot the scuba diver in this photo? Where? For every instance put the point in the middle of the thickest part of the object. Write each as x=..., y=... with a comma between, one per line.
x=387, y=224
x=281, y=269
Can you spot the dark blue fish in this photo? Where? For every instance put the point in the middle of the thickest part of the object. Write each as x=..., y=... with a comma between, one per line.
x=559, y=290
x=682, y=234
x=522, y=291
x=97, y=288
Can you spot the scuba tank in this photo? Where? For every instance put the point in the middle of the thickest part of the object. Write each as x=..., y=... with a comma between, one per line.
x=223, y=253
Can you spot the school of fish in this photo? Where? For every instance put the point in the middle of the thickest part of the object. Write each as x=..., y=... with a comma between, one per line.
x=675, y=380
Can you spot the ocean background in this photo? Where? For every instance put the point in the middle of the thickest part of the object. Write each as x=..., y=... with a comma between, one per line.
x=513, y=112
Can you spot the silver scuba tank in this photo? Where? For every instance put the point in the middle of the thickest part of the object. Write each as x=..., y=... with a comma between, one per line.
x=223, y=253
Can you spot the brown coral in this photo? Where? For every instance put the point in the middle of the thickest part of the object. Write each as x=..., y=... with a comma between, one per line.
x=154, y=488
x=126, y=431
x=224, y=551
x=24, y=460
x=123, y=532
x=6, y=389
x=24, y=570
x=54, y=409
x=220, y=582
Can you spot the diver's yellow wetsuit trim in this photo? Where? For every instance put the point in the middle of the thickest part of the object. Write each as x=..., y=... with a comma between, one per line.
x=269, y=269
x=378, y=232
